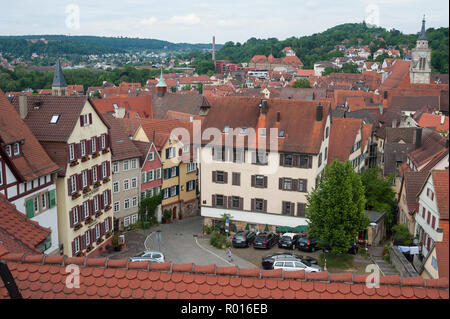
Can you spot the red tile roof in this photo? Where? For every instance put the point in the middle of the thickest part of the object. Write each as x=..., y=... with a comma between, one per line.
x=19, y=234
x=442, y=258
x=34, y=162
x=105, y=278
x=140, y=104
x=440, y=182
x=343, y=134
x=433, y=120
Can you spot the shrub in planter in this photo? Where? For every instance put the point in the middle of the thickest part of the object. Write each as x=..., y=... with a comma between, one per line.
x=81, y=254
x=97, y=184
x=106, y=180
x=99, y=213
x=78, y=226
x=76, y=195
x=180, y=215
x=97, y=154
x=74, y=163
x=85, y=158
x=108, y=234
x=99, y=241
x=86, y=190
x=88, y=220
x=90, y=247
x=105, y=151
x=167, y=215
x=107, y=208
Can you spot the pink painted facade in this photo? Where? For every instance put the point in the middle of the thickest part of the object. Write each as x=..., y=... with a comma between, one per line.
x=151, y=173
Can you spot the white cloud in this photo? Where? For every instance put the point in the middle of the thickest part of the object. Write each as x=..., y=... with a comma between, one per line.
x=227, y=23
x=149, y=21
x=190, y=19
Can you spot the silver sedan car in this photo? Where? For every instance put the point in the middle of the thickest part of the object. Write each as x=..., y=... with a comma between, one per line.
x=149, y=255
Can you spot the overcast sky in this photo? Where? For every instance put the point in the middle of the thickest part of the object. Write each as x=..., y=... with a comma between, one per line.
x=196, y=21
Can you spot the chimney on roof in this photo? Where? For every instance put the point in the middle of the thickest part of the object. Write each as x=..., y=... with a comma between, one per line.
x=418, y=137
x=319, y=112
x=23, y=106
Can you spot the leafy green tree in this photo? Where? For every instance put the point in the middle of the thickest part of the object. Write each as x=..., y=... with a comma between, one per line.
x=301, y=83
x=380, y=195
x=147, y=208
x=336, y=207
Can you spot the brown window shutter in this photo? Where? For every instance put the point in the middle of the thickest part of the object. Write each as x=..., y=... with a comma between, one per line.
x=283, y=208
x=295, y=160
x=295, y=185
x=305, y=185
x=109, y=196
x=90, y=118
x=71, y=218
x=241, y=203
x=230, y=202
x=99, y=172
x=102, y=228
x=253, y=157
x=102, y=201
x=265, y=181
x=265, y=206
x=225, y=177
x=69, y=186
x=310, y=160
x=83, y=241
x=77, y=150
x=281, y=159
x=213, y=200
x=81, y=121
x=73, y=247
x=253, y=204
x=300, y=209
x=253, y=180
x=89, y=147
x=238, y=179
x=214, y=178
x=280, y=183
x=108, y=168
x=90, y=178
x=78, y=181
x=292, y=209
x=91, y=207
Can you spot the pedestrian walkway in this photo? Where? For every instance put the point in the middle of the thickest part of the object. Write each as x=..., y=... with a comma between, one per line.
x=386, y=268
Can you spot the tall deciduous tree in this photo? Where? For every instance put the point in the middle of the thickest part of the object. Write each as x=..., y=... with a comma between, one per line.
x=336, y=207
x=301, y=83
x=379, y=194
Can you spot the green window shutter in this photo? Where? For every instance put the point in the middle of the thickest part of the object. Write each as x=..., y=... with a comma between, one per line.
x=144, y=180
x=30, y=208
x=52, y=198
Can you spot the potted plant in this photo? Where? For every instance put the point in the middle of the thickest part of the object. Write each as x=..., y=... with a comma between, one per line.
x=106, y=150
x=89, y=248
x=99, y=241
x=167, y=215
x=115, y=242
x=76, y=195
x=107, y=208
x=108, y=234
x=180, y=215
x=86, y=190
x=96, y=154
x=99, y=213
x=81, y=254
x=106, y=180
x=97, y=184
x=74, y=163
x=85, y=158
x=88, y=220
x=78, y=226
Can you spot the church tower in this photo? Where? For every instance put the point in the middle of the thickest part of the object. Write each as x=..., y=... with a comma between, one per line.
x=420, y=67
x=59, y=86
x=161, y=87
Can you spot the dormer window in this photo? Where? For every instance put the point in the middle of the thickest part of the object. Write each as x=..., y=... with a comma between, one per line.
x=8, y=150
x=54, y=119
x=16, y=149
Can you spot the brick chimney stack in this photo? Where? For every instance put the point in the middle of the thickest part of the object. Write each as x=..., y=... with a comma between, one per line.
x=214, y=49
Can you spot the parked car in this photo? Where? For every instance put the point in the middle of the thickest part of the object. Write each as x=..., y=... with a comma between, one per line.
x=265, y=240
x=352, y=250
x=149, y=255
x=288, y=240
x=268, y=261
x=306, y=244
x=243, y=238
x=292, y=265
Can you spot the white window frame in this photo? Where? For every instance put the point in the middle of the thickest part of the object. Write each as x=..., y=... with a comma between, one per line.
x=106, y=225
x=103, y=141
x=36, y=204
x=173, y=189
x=94, y=144
x=186, y=148
x=191, y=167
x=126, y=184
x=126, y=221
x=86, y=209
x=134, y=201
x=134, y=182
x=85, y=119
x=44, y=200
x=73, y=184
x=104, y=170
x=117, y=206
x=105, y=198
x=96, y=204
x=127, y=168
x=150, y=175
x=8, y=150
x=77, y=244
x=115, y=167
x=126, y=203
x=1, y=174
x=84, y=178
x=75, y=215
x=16, y=148
x=133, y=163
x=151, y=156
x=71, y=152
x=134, y=218
x=116, y=185
x=83, y=148
x=158, y=173
x=97, y=231
x=94, y=174
x=87, y=236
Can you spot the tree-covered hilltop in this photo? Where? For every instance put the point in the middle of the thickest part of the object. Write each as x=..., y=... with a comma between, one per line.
x=319, y=46
x=59, y=45
x=20, y=78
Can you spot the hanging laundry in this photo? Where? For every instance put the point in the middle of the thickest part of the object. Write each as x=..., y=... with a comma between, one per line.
x=403, y=249
x=414, y=250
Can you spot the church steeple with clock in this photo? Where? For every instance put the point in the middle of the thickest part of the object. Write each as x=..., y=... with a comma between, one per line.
x=420, y=68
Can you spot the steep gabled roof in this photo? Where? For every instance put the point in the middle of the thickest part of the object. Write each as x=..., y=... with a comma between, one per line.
x=440, y=183
x=58, y=77
x=34, y=162
x=442, y=252
x=343, y=134
x=184, y=103
x=19, y=234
